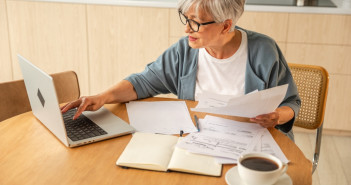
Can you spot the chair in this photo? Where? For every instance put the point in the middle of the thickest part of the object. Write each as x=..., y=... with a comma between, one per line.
x=312, y=84
x=14, y=99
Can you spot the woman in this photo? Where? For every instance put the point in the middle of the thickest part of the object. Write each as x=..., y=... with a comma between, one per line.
x=215, y=57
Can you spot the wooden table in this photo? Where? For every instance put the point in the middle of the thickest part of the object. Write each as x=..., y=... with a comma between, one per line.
x=30, y=154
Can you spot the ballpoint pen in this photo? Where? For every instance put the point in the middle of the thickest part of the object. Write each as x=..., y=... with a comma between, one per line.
x=197, y=123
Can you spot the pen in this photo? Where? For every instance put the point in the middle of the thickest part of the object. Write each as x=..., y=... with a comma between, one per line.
x=197, y=123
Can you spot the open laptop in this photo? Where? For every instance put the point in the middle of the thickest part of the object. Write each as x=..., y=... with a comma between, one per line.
x=101, y=124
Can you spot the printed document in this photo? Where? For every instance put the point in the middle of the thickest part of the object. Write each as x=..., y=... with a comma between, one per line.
x=249, y=105
x=265, y=144
x=222, y=138
x=163, y=117
x=228, y=139
x=268, y=145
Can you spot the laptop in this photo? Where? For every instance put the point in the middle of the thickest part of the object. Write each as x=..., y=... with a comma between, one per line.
x=88, y=128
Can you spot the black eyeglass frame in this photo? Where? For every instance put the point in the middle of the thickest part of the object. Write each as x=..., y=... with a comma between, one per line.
x=188, y=21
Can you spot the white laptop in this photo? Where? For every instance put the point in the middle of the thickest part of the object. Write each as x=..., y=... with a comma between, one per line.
x=44, y=102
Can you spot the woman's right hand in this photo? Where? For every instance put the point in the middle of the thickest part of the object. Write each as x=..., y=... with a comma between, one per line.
x=121, y=92
x=84, y=103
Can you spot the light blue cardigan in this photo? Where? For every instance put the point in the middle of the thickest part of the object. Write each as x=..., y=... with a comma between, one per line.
x=175, y=72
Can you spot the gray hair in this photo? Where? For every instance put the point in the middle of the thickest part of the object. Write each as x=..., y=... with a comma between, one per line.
x=219, y=10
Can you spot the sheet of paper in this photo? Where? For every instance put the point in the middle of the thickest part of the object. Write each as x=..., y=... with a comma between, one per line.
x=231, y=127
x=249, y=105
x=262, y=142
x=164, y=117
x=207, y=100
x=222, y=160
x=212, y=123
x=268, y=145
x=222, y=138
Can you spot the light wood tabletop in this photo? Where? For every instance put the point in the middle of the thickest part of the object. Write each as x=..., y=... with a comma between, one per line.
x=31, y=154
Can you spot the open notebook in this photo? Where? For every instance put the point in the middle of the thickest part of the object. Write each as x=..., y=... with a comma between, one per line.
x=159, y=152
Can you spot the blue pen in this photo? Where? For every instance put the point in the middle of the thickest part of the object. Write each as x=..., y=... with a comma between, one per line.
x=197, y=123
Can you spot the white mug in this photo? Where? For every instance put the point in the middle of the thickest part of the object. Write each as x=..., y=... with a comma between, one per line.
x=253, y=174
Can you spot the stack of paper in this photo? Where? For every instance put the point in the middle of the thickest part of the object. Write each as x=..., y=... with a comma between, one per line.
x=227, y=140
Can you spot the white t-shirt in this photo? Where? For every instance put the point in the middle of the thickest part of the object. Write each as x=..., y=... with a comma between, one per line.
x=222, y=76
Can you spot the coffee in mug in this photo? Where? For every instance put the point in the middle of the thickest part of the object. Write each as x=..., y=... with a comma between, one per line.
x=259, y=164
x=260, y=168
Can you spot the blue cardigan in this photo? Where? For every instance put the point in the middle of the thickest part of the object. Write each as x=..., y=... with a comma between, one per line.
x=175, y=72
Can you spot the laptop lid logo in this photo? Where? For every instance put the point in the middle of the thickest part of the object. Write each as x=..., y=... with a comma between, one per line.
x=41, y=98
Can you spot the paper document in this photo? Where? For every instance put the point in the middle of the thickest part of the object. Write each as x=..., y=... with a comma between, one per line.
x=228, y=139
x=163, y=117
x=249, y=105
x=268, y=145
x=207, y=100
x=265, y=144
x=222, y=138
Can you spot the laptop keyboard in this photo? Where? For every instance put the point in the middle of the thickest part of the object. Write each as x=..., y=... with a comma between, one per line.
x=82, y=127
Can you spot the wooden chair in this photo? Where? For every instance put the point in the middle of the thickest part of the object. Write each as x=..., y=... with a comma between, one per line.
x=312, y=84
x=14, y=99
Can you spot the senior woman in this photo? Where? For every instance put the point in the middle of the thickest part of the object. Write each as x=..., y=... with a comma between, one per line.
x=215, y=57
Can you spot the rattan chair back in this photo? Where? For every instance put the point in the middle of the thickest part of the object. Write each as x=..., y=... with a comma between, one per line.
x=312, y=84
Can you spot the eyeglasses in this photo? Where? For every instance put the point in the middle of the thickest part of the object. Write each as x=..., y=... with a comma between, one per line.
x=192, y=24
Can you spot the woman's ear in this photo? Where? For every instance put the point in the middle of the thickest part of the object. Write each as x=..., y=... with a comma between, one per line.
x=227, y=24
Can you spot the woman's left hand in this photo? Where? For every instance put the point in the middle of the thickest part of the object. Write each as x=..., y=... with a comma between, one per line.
x=267, y=120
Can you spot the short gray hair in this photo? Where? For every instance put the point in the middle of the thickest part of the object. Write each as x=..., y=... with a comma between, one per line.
x=219, y=10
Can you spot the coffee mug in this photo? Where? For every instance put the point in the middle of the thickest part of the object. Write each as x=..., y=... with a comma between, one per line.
x=260, y=168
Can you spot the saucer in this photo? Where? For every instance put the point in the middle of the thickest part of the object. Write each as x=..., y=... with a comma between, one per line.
x=232, y=178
